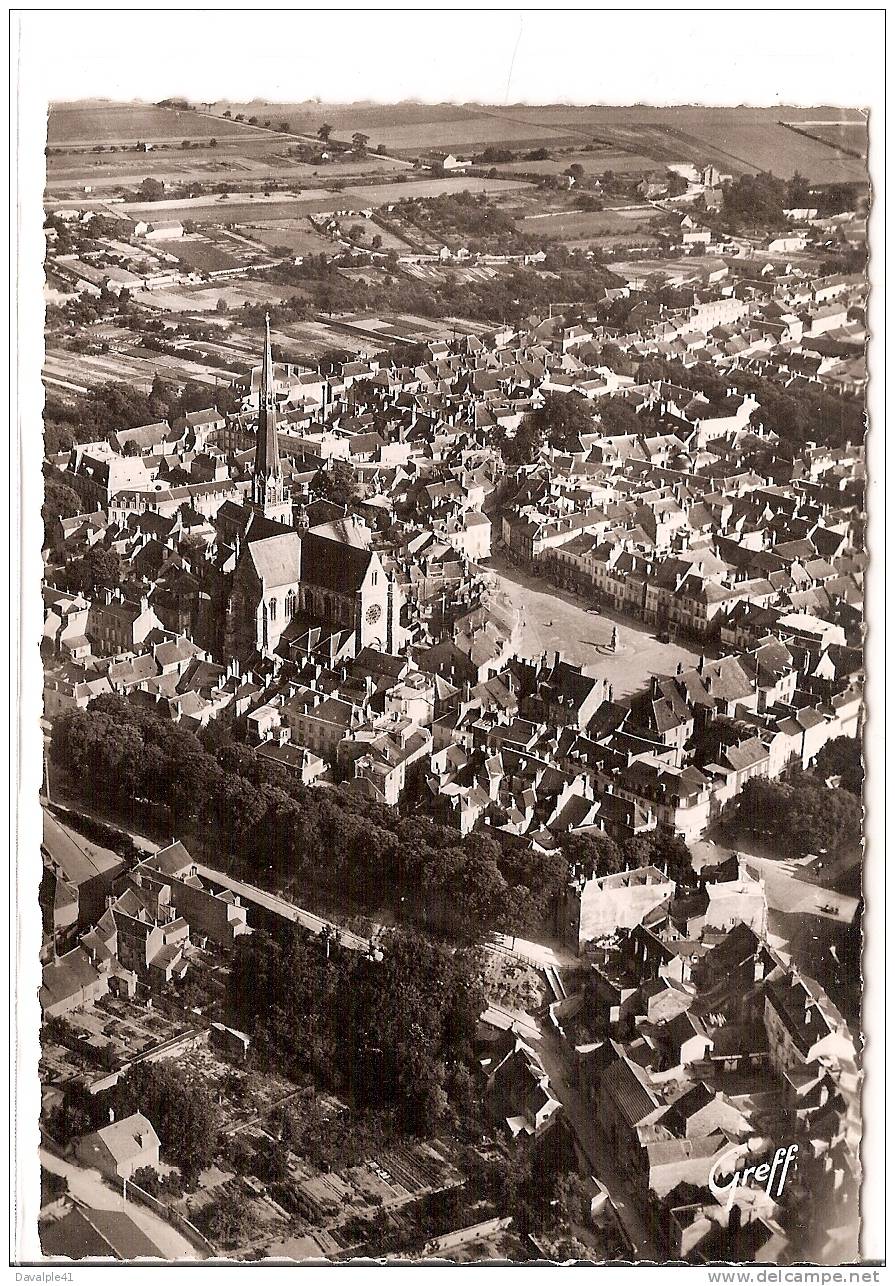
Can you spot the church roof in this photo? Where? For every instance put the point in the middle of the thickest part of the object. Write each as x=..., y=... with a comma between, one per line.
x=277, y=559
x=334, y=564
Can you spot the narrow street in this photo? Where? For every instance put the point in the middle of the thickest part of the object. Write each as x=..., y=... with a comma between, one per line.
x=89, y=1187
x=603, y=1162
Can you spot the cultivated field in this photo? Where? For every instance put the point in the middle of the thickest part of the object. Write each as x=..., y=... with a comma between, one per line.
x=296, y=234
x=591, y=162
x=203, y=254
x=133, y=366
x=282, y=207
x=239, y=161
x=76, y=124
x=576, y=225
x=737, y=139
x=851, y=135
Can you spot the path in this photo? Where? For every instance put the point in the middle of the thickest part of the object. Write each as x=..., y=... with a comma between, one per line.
x=89, y=1187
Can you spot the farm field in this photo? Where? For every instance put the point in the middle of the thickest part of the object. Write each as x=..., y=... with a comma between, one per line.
x=408, y=127
x=202, y=254
x=201, y=298
x=77, y=123
x=591, y=162
x=238, y=163
x=849, y=134
x=739, y=139
x=132, y=367
x=298, y=234
x=314, y=338
x=210, y=209
x=565, y=225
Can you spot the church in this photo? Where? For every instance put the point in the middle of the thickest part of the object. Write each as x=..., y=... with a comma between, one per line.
x=285, y=582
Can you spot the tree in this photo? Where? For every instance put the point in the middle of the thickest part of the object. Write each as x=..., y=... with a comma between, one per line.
x=151, y=190
x=337, y=484
x=798, y=192
x=183, y=1115
x=576, y=171
x=563, y=418
x=324, y=132
x=60, y=501
x=591, y=854
x=228, y=1220
x=99, y=569
x=359, y=143
x=213, y=143
x=221, y=307
x=285, y=127
x=843, y=758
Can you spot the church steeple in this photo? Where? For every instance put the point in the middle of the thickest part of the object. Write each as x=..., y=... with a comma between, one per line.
x=268, y=489
x=267, y=455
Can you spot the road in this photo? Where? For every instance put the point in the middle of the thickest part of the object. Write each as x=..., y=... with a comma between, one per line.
x=556, y=620
x=597, y=1148
x=89, y=1187
x=794, y=886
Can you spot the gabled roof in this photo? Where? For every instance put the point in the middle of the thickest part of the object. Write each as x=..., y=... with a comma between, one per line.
x=276, y=559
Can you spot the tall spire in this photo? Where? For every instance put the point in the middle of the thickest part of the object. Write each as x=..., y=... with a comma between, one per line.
x=267, y=456
x=268, y=489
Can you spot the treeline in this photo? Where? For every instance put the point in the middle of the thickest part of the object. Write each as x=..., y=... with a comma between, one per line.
x=393, y=1033
x=759, y=200
x=330, y=841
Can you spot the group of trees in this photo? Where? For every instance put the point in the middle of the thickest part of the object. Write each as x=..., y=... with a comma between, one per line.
x=593, y=855
x=800, y=815
x=115, y=405
x=338, y=484
x=231, y=803
x=843, y=758
x=809, y=415
x=509, y=297
x=562, y=420
x=100, y=568
x=472, y=217
x=394, y=1033
x=758, y=201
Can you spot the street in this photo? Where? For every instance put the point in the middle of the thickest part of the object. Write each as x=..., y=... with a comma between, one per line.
x=597, y=1149
x=89, y=1187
